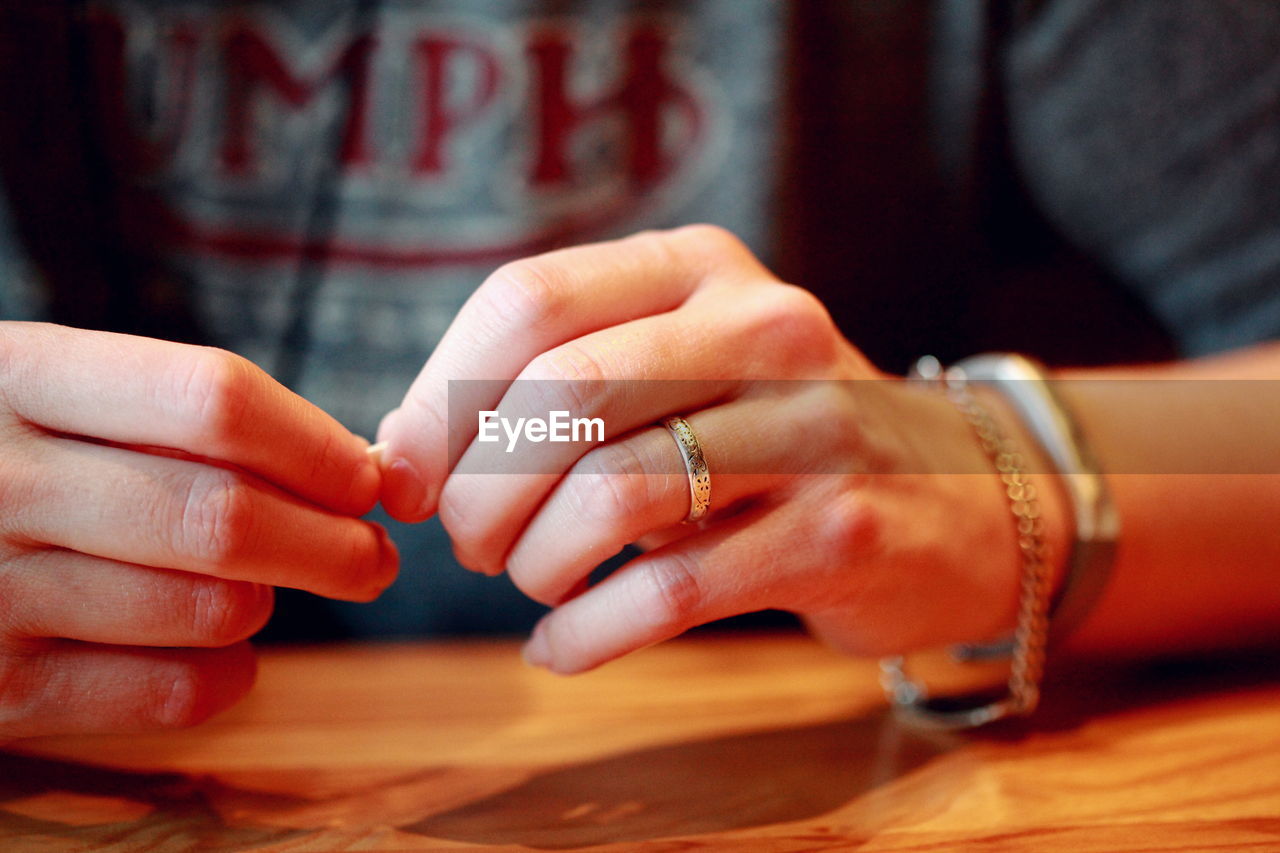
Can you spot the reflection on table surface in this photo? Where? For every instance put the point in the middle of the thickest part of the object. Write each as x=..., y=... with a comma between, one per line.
x=742, y=742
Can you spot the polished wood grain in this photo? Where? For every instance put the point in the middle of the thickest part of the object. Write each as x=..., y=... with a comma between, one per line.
x=741, y=743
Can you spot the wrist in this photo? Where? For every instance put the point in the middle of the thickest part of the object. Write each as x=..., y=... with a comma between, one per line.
x=1049, y=426
x=972, y=509
x=1058, y=531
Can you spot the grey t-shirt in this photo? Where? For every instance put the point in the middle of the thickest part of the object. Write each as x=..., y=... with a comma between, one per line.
x=1148, y=131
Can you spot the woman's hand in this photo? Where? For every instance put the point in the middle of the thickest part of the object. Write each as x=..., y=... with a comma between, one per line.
x=830, y=497
x=151, y=494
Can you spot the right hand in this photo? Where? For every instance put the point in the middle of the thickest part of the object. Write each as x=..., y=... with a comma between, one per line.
x=151, y=494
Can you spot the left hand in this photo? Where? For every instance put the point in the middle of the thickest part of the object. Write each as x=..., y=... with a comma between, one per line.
x=801, y=517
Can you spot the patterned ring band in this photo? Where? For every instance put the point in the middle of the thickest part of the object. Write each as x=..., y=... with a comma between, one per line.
x=696, y=464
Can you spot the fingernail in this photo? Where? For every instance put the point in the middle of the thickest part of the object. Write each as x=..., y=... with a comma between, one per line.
x=375, y=452
x=536, y=652
x=407, y=488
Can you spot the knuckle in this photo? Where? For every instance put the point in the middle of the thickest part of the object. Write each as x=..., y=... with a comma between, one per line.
x=217, y=518
x=719, y=252
x=796, y=301
x=861, y=579
x=217, y=390
x=851, y=527
x=570, y=377
x=791, y=313
x=827, y=404
x=224, y=612
x=672, y=594
x=192, y=686
x=825, y=416
x=567, y=363
x=713, y=239
x=181, y=697
x=791, y=328
x=610, y=486
x=10, y=359
x=22, y=677
x=24, y=492
x=18, y=607
x=528, y=293
x=24, y=346
x=653, y=249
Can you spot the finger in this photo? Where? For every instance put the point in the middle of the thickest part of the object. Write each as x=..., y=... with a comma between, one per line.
x=821, y=549
x=655, y=539
x=491, y=494
x=624, y=490
x=485, y=511
x=203, y=401
x=63, y=594
x=527, y=308
x=735, y=568
x=64, y=687
x=176, y=514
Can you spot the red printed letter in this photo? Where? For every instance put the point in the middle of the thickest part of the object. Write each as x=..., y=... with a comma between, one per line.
x=440, y=118
x=643, y=95
x=251, y=63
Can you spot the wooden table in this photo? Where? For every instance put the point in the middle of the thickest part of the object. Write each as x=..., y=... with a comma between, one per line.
x=745, y=743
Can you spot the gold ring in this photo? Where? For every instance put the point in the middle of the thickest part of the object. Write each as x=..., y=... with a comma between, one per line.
x=696, y=464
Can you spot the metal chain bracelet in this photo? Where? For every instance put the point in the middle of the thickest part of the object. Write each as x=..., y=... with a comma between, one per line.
x=910, y=697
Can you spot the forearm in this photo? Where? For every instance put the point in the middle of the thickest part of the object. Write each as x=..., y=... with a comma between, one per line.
x=1198, y=565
